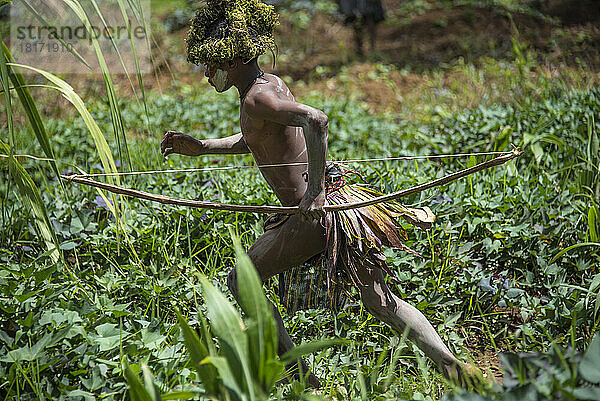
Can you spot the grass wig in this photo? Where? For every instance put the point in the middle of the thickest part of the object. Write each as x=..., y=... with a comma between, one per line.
x=226, y=29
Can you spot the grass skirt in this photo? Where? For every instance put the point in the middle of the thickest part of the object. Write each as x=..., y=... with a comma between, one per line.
x=355, y=240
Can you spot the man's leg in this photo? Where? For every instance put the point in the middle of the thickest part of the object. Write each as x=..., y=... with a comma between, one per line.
x=358, y=35
x=372, y=28
x=386, y=306
x=278, y=250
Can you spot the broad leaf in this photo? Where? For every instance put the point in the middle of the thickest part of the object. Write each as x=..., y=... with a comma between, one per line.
x=590, y=364
x=227, y=325
x=262, y=329
x=308, y=348
x=198, y=352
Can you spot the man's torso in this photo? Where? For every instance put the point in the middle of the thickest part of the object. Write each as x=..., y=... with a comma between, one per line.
x=272, y=143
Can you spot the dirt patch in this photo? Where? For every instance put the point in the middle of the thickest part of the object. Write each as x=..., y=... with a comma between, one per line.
x=572, y=12
x=443, y=35
x=488, y=362
x=438, y=37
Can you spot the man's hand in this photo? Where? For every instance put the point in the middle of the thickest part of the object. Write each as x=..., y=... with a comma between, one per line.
x=178, y=142
x=311, y=206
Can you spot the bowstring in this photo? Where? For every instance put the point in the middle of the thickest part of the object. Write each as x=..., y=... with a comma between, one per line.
x=261, y=166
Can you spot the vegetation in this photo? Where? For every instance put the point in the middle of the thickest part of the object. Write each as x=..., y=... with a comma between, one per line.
x=90, y=284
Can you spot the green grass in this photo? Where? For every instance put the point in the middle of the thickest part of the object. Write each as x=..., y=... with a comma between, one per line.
x=510, y=221
x=160, y=8
x=66, y=328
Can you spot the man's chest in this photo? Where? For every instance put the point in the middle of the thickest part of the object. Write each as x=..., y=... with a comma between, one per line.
x=250, y=126
x=257, y=133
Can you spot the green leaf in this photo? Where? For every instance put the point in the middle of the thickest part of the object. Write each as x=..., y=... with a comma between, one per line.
x=178, y=395
x=149, y=383
x=29, y=106
x=229, y=378
x=595, y=283
x=198, y=352
x=67, y=91
x=137, y=391
x=558, y=255
x=262, y=328
x=80, y=393
x=587, y=393
x=227, y=325
x=30, y=194
x=590, y=364
x=109, y=336
x=308, y=348
x=593, y=223
x=37, y=350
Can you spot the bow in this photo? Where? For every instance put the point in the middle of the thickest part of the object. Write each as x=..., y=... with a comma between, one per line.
x=83, y=179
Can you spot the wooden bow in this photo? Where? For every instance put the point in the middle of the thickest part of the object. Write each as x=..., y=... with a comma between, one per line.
x=291, y=209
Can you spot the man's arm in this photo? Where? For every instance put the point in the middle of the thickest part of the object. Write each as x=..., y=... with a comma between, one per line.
x=183, y=144
x=314, y=124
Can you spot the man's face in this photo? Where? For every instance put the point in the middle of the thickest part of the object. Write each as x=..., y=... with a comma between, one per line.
x=219, y=76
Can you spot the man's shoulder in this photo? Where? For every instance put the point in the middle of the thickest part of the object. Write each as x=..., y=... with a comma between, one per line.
x=267, y=87
x=267, y=93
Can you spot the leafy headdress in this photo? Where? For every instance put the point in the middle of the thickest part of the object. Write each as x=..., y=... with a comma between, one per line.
x=225, y=29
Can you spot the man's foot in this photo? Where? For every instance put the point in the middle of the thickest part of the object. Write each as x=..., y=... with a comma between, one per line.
x=464, y=375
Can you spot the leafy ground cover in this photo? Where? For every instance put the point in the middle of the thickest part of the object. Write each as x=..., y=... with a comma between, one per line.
x=491, y=279
x=511, y=265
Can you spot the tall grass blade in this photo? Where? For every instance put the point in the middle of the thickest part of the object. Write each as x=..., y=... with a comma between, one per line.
x=149, y=384
x=593, y=223
x=31, y=195
x=230, y=379
x=27, y=188
x=7, y=100
x=262, y=329
x=137, y=5
x=227, y=325
x=138, y=13
x=178, y=395
x=29, y=106
x=44, y=22
x=558, y=255
x=116, y=117
x=100, y=143
x=137, y=391
x=67, y=91
x=198, y=353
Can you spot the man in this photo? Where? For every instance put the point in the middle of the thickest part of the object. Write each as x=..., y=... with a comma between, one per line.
x=278, y=130
x=361, y=13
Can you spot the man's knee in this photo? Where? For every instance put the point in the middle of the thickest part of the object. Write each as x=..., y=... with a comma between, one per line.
x=372, y=301
x=377, y=302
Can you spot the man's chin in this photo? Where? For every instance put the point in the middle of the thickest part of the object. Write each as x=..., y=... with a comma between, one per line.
x=217, y=89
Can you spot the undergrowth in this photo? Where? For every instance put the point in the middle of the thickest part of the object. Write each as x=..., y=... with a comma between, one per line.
x=493, y=278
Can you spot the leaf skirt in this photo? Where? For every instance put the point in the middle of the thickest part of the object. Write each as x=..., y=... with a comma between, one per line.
x=356, y=239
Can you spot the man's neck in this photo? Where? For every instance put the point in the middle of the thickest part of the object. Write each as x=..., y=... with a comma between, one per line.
x=245, y=77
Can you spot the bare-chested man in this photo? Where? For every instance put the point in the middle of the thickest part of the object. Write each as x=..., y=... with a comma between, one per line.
x=277, y=129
